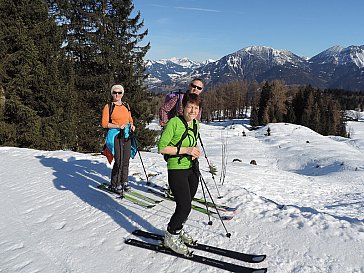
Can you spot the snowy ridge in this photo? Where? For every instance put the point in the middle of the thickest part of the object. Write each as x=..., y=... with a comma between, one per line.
x=336, y=67
x=341, y=56
x=184, y=62
x=270, y=54
x=302, y=205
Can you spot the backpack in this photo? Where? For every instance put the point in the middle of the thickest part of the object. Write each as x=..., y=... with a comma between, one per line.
x=112, y=106
x=111, y=109
x=171, y=95
x=105, y=151
x=184, y=135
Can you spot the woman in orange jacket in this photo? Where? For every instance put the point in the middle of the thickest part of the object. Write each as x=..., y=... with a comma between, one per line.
x=119, y=124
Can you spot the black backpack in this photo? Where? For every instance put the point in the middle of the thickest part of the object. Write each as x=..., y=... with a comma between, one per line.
x=184, y=135
x=112, y=106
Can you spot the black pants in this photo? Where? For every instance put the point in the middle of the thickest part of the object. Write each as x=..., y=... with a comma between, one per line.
x=120, y=171
x=183, y=184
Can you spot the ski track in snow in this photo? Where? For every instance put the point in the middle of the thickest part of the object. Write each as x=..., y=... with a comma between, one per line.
x=302, y=205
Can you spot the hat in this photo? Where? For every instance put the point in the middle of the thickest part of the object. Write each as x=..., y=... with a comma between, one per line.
x=117, y=86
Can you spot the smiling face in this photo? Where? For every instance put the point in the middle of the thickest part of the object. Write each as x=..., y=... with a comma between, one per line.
x=117, y=94
x=190, y=111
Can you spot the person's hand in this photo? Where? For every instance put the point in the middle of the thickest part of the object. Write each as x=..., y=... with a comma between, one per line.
x=132, y=127
x=194, y=152
x=122, y=126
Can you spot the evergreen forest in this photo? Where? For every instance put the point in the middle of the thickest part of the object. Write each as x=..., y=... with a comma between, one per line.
x=59, y=59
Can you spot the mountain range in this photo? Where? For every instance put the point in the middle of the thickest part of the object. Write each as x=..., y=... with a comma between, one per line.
x=336, y=67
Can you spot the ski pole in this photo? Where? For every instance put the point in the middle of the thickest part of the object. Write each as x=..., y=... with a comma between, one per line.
x=208, y=163
x=225, y=162
x=228, y=234
x=196, y=171
x=141, y=160
x=204, y=196
x=121, y=194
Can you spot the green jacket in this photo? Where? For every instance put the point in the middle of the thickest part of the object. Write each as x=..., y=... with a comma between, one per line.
x=172, y=133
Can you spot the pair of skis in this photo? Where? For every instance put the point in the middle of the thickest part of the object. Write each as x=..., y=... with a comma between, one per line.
x=199, y=200
x=147, y=202
x=211, y=212
x=250, y=258
x=132, y=196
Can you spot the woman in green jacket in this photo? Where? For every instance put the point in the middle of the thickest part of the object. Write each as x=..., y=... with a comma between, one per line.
x=178, y=144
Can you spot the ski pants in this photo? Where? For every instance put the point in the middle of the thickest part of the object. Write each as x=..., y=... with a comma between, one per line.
x=120, y=171
x=183, y=184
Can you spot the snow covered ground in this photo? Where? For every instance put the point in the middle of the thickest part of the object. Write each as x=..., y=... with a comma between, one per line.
x=302, y=205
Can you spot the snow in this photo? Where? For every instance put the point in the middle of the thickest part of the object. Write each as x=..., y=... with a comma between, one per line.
x=339, y=55
x=302, y=205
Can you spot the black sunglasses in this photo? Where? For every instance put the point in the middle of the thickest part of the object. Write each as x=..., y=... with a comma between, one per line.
x=114, y=93
x=197, y=87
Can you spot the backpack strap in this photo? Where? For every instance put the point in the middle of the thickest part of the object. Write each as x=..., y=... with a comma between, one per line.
x=184, y=135
x=126, y=105
x=179, y=100
x=112, y=107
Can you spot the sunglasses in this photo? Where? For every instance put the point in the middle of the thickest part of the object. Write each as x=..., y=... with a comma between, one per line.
x=197, y=87
x=119, y=93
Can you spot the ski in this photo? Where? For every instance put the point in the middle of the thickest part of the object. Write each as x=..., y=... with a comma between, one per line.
x=194, y=207
x=143, y=197
x=139, y=195
x=127, y=197
x=196, y=258
x=202, y=201
x=211, y=204
x=249, y=258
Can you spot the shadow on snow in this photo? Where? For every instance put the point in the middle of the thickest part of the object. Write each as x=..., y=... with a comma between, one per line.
x=82, y=177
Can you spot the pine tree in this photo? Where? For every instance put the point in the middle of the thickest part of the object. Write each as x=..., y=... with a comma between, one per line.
x=103, y=39
x=254, y=117
x=30, y=58
x=265, y=97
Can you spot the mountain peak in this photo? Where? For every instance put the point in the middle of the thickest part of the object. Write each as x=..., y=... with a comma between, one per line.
x=339, y=55
x=270, y=54
x=336, y=67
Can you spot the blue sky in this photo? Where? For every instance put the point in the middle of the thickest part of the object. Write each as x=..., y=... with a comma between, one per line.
x=211, y=29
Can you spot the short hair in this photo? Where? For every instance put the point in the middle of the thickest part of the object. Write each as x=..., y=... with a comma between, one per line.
x=191, y=98
x=117, y=86
x=197, y=79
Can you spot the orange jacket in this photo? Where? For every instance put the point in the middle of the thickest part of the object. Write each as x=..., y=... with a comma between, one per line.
x=121, y=115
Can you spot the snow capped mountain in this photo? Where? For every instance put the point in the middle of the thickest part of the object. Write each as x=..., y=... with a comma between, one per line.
x=352, y=54
x=248, y=63
x=330, y=55
x=336, y=67
x=340, y=67
x=167, y=71
x=183, y=62
x=270, y=55
x=341, y=56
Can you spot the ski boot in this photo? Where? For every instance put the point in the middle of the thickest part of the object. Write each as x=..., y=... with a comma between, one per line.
x=186, y=238
x=175, y=243
x=126, y=187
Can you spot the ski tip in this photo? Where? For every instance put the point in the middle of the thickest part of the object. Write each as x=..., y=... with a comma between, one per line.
x=260, y=270
x=226, y=217
x=259, y=258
